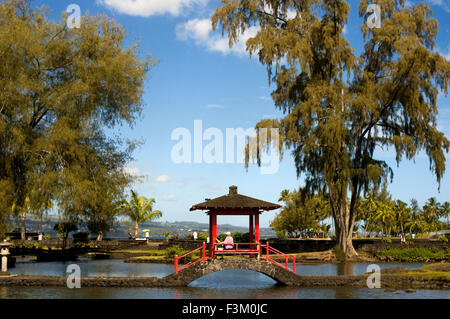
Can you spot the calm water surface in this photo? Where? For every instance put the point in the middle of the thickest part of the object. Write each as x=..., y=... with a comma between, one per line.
x=224, y=284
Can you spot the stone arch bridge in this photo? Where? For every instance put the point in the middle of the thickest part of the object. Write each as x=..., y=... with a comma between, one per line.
x=186, y=276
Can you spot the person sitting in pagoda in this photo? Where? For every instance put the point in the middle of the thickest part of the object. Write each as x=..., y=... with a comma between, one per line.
x=228, y=242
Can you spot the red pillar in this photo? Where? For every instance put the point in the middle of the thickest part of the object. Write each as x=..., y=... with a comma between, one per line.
x=210, y=248
x=251, y=228
x=257, y=227
x=212, y=233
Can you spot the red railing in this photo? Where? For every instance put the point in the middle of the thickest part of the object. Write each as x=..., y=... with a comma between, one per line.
x=202, y=258
x=258, y=249
x=270, y=249
x=252, y=248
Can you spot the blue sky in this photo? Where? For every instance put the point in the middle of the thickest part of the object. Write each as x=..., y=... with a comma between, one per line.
x=199, y=78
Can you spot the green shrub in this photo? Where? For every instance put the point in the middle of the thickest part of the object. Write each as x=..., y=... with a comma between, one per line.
x=339, y=253
x=202, y=236
x=415, y=254
x=444, y=239
x=176, y=250
x=241, y=237
x=26, y=244
x=47, y=237
x=386, y=240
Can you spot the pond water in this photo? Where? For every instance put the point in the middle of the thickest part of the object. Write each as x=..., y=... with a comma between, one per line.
x=118, y=268
x=225, y=284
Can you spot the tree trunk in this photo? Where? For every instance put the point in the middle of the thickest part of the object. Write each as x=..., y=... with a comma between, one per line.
x=22, y=231
x=344, y=224
x=344, y=241
x=136, y=230
x=40, y=224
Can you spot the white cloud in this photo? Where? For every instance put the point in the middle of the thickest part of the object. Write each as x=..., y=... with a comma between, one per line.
x=133, y=170
x=200, y=30
x=265, y=98
x=169, y=198
x=163, y=179
x=146, y=8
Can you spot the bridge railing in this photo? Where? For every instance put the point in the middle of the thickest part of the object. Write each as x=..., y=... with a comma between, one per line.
x=177, y=258
x=270, y=249
x=238, y=248
x=259, y=250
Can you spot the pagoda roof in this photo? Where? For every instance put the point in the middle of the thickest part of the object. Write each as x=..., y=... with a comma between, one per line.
x=235, y=201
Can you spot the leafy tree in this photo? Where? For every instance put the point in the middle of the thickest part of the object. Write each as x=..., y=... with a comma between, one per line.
x=385, y=214
x=139, y=209
x=402, y=216
x=64, y=229
x=339, y=107
x=416, y=224
x=302, y=213
x=368, y=210
x=60, y=89
x=97, y=190
x=445, y=211
x=432, y=212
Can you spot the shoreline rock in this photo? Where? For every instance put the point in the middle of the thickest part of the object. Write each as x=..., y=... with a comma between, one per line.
x=388, y=283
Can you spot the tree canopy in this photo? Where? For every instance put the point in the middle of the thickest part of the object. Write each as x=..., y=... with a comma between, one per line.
x=302, y=214
x=61, y=90
x=139, y=209
x=339, y=107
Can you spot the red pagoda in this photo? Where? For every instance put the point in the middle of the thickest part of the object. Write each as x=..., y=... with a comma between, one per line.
x=235, y=204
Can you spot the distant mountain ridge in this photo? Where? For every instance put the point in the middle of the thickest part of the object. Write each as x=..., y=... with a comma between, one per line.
x=157, y=229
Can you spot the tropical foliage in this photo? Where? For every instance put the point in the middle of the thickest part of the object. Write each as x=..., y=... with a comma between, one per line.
x=302, y=215
x=339, y=107
x=378, y=215
x=381, y=214
x=64, y=229
x=139, y=209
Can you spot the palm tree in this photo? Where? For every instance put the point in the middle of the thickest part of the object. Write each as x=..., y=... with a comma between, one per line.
x=403, y=213
x=386, y=215
x=431, y=213
x=445, y=211
x=139, y=209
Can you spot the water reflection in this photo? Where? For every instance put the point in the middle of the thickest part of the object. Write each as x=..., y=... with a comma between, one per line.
x=345, y=269
x=202, y=293
x=234, y=279
x=118, y=268
x=227, y=284
x=94, y=268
